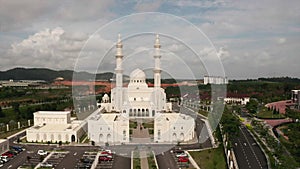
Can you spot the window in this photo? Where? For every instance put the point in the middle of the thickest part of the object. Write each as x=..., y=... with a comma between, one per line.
x=174, y=128
x=108, y=128
x=158, y=134
x=124, y=134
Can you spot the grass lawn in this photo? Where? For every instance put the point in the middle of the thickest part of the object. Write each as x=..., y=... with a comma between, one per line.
x=210, y=159
x=136, y=163
x=151, y=162
x=268, y=114
x=132, y=124
x=148, y=125
x=4, y=135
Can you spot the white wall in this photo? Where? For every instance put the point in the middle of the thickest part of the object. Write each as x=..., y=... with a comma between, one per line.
x=4, y=145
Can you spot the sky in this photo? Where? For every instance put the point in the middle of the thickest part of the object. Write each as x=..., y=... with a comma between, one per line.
x=238, y=39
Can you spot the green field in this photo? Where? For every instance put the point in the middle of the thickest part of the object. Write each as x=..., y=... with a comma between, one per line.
x=268, y=114
x=210, y=159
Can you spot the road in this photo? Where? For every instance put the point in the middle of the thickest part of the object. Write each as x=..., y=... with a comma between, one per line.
x=247, y=152
x=166, y=161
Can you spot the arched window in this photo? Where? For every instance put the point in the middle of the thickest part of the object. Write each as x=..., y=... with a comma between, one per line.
x=45, y=137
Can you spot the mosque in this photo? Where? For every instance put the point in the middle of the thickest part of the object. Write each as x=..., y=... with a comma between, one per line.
x=138, y=102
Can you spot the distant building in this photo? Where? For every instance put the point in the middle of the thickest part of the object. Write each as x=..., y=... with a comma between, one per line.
x=215, y=80
x=55, y=126
x=296, y=98
x=4, y=145
x=237, y=100
x=21, y=83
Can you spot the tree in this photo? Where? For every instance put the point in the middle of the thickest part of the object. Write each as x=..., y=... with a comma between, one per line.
x=1, y=113
x=251, y=106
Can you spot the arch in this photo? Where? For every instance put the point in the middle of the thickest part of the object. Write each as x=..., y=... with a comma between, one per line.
x=101, y=138
x=45, y=137
x=73, y=139
x=182, y=136
x=67, y=137
x=153, y=113
x=37, y=136
x=174, y=137
x=59, y=137
x=109, y=138
x=52, y=137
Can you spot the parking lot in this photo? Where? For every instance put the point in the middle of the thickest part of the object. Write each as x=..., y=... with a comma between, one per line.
x=181, y=159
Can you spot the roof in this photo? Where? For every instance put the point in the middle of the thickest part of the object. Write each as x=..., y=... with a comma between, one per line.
x=54, y=112
x=174, y=117
x=3, y=140
x=55, y=127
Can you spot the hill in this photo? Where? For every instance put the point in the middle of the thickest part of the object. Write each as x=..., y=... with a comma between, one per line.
x=49, y=75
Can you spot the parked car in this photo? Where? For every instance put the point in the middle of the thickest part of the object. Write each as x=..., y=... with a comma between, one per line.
x=8, y=154
x=183, y=159
x=86, y=160
x=181, y=154
x=46, y=164
x=17, y=148
x=4, y=159
x=105, y=158
x=42, y=152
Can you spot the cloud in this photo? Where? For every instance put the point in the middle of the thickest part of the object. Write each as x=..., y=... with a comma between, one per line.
x=51, y=48
x=147, y=6
x=281, y=40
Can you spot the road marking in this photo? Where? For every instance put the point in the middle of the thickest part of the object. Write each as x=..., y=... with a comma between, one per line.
x=251, y=148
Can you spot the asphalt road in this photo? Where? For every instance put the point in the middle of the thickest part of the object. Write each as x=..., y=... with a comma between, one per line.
x=166, y=161
x=247, y=152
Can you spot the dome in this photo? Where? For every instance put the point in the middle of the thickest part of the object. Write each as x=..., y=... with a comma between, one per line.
x=105, y=96
x=137, y=74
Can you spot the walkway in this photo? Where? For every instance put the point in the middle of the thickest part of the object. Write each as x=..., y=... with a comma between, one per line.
x=140, y=134
x=144, y=160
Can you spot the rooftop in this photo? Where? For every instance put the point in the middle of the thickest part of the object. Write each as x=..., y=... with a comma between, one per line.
x=54, y=112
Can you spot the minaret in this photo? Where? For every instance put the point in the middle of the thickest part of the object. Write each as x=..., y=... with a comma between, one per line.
x=157, y=57
x=119, y=75
x=157, y=76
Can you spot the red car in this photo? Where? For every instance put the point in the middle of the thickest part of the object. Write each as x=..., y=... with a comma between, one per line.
x=106, y=153
x=8, y=154
x=104, y=158
x=183, y=159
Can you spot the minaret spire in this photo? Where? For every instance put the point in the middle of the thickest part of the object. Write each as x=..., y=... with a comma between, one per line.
x=157, y=57
x=119, y=75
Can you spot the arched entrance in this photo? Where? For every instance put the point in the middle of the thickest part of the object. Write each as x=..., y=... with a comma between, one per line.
x=101, y=138
x=174, y=136
x=73, y=138
x=181, y=136
x=108, y=138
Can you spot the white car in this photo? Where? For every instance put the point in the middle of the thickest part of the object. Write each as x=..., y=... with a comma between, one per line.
x=181, y=153
x=45, y=164
x=4, y=159
x=42, y=152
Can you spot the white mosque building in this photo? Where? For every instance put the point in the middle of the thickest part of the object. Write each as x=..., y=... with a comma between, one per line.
x=137, y=101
